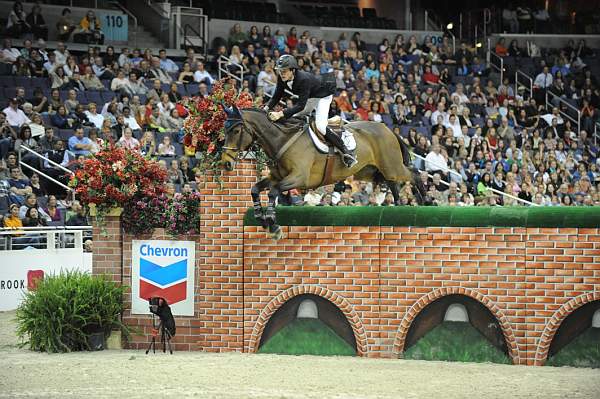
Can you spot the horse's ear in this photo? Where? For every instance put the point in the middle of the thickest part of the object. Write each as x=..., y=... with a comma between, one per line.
x=236, y=112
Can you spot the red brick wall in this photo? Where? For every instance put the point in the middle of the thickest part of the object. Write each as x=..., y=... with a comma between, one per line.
x=379, y=277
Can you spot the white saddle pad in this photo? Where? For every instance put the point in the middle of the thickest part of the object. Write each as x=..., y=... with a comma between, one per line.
x=347, y=138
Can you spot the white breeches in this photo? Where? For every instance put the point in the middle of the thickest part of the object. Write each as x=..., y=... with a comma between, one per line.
x=321, y=107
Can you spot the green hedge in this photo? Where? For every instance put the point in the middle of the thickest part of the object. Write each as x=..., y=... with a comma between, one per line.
x=435, y=216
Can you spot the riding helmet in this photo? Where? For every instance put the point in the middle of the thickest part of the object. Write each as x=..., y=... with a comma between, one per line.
x=287, y=61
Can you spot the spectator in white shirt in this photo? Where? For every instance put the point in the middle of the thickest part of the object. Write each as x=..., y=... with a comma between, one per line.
x=435, y=162
x=61, y=53
x=93, y=116
x=9, y=53
x=454, y=124
x=14, y=116
x=130, y=120
x=544, y=79
x=51, y=65
x=201, y=75
x=436, y=113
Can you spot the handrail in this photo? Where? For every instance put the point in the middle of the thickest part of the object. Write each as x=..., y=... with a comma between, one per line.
x=130, y=14
x=561, y=100
x=190, y=27
x=37, y=154
x=39, y=172
x=4, y=230
x=530, y=88
x=501, y=67
x=458, y=174
x=227, y=61
x=596, y=132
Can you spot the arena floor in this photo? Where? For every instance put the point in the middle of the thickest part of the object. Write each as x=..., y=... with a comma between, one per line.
x=132, y=374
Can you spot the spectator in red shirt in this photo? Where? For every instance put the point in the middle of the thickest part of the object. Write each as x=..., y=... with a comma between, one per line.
x=292, y=38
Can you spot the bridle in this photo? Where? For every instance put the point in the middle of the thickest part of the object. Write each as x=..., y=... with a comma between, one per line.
x=229, y=125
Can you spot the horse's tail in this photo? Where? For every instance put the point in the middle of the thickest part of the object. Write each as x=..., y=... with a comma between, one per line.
x=406, y=158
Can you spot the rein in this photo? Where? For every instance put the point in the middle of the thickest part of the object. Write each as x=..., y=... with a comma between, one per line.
x=277, y=157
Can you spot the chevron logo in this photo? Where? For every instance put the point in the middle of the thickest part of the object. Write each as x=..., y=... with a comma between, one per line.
x=169, y=281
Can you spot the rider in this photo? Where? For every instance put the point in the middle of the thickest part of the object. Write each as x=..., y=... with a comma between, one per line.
x=313, y=94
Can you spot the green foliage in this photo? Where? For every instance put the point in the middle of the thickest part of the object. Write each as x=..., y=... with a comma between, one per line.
x=64, y=309
x=456, y=341
x=307, y=337
x=583, y=351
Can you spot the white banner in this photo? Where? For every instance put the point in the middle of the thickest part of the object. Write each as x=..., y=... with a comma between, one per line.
x=19, y=269
x=163, y=269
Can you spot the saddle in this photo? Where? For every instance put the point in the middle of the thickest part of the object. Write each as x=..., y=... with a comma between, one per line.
x=336, y=124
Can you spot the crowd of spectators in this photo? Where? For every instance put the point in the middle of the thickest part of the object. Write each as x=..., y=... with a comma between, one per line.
x=504, y=147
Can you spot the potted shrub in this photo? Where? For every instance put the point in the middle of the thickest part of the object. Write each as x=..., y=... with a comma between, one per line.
x=70, y=311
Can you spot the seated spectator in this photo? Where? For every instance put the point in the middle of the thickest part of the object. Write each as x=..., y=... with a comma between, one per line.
x=97, y=142
x=71, y=102
x=201, y=75
x=15, y=116
x=128, y=141
x=165, y=106
x=186, y=75
x=130, y=120
x=500, y=48
x=166, y=149
x=174, y=95
x=65, y=25
x=17, y=24
x=148, y=144
x=167, y=64
x=171, y=122
x=135, y=86
x=174, y=174
x=31, y=202
x=100, y=70
x=80, y=145
x=19, y=187
x=90, y=31
x=77, y=216
x=156, y=72
x=156, y=92
x=58, y=78
x=13, y=220
x=91, y=81
x=93, y=116
x=237, y=36
x=33, y=219
x=61, y=119
x=52, y=209
x=118, y=81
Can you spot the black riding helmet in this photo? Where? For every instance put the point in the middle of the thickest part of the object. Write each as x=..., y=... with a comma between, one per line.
x=287, y=61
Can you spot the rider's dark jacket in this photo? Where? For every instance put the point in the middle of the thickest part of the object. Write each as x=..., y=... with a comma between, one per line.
x=305, y=85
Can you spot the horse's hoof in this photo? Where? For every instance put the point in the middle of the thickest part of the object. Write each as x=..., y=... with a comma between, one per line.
x=276, y=232
x=264, y=223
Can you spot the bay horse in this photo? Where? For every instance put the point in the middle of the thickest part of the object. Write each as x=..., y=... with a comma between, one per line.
x=296, y=163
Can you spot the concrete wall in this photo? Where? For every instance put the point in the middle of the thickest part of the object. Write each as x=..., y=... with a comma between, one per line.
x=530, y=279
x=221, y=28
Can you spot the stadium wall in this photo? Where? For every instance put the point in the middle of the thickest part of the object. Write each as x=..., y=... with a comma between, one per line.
x=380, y=266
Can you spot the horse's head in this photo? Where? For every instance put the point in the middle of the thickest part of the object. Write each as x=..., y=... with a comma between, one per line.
x=237, y=137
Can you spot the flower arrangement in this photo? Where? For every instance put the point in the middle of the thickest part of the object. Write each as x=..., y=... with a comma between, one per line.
x=183, y=214
x=114, y=177
x=144, y=214
x=204, y=126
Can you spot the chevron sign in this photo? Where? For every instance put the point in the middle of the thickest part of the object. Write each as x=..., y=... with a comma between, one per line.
x=165, y=269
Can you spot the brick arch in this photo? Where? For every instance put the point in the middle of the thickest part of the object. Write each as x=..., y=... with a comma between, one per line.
x=556, y=320
x=426, y=299
x=342, y=303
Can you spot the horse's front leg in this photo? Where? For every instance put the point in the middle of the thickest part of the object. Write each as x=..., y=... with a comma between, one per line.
x=288, y=183
x=259, y=187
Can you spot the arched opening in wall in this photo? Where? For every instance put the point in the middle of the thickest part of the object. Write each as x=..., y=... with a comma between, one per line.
x=308, y=325
x=577, y=341
x=456, y=328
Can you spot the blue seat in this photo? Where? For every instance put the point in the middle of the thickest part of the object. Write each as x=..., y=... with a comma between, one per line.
x=93, y=97
x=387, y=119
x=7, y=81
x=107, y=96
x=65, y=134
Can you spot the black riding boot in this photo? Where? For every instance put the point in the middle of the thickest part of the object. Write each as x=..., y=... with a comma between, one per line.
x=347, y=156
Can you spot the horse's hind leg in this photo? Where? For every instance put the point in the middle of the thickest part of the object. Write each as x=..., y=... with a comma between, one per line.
x=393, y=186
x=259, y=187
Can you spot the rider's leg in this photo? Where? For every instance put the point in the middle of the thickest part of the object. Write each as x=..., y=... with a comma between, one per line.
x=321, y=119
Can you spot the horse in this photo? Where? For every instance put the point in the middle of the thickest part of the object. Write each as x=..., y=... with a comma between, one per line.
x=296, y=163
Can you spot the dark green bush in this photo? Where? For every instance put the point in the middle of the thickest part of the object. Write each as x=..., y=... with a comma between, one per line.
x=66, y=308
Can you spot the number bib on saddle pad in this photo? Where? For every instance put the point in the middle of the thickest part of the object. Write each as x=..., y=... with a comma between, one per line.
x=322, y=146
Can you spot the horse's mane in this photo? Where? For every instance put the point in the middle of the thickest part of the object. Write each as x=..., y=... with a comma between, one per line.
x=287, y=126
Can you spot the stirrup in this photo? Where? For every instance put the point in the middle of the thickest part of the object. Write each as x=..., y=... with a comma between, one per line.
x=349, y=159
